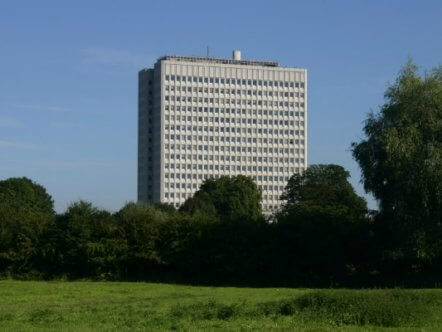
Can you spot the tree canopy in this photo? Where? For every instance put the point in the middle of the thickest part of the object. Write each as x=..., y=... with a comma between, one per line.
x=401, y=157
x=142, y=225
x=87, y=240
x=319, y=223
x=230, y=199
x=26, y=212
x=323, y=187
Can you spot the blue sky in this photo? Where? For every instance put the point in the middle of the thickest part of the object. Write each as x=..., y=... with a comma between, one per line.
x=68, y=75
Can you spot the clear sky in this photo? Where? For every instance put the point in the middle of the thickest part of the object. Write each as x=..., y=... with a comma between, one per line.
x=68, y=75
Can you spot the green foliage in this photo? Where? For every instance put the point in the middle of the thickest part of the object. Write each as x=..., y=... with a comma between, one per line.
x=142, y=227
x=26, y=213
x=229, y=199
x=201, y=202
x=388, y=308
x=187, y=241
x=324, y=188
x=401, y=161
x=88, y=244
x=319, y=224
x=225, y=225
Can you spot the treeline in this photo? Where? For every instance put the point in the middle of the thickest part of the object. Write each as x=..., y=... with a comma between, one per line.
x=323, y=235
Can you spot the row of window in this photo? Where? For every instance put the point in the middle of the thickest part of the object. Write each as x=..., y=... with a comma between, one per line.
x=234, y=149
x=237, y=81
x=227, y=131
x=227, y=101
x=233, y=111
x=265, y=122
x=237, y=139
x=221, y=148
x=181, y=185
x=194, y=176
x=254, y=159
x=238, y=168
x=244, y=139
x=228, y=139
x=244, y=149
x=234, y=92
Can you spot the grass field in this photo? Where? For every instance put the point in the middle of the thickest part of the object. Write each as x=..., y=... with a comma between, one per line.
x=91, y=306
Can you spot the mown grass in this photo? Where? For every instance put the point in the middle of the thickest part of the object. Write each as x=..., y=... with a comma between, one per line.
x=91, y=306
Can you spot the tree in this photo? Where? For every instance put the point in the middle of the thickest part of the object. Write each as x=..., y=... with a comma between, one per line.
x=26, y=213
x=87, y=241
x=324, y=186
x=226, y=226
x=142, y=227
x=318, y=224
x=401, y=160
x=230, y=199
x=187, y=242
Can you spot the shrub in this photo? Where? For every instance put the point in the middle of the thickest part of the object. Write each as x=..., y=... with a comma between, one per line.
x=386, y=309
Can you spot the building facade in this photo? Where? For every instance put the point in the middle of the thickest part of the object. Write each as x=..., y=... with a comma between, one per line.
x=204, y=117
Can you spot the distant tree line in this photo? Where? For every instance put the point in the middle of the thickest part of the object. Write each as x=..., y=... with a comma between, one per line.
x=323, y=235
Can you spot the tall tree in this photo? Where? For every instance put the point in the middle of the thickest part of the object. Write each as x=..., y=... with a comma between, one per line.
x=319, y=223
x=26, y=213
x=401, y=159
x=226, y=224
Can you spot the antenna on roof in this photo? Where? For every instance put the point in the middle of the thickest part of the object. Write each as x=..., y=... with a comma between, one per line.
x=207, y=50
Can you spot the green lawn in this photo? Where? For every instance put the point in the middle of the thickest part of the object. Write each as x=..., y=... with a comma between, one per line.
x=91, y=306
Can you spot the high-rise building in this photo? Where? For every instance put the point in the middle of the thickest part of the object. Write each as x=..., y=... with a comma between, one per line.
x=203, y=117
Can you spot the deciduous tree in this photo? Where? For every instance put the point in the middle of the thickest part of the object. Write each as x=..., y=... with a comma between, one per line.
x=318, y=224
x=401, y=160
x=231, y=199
x=26, y=213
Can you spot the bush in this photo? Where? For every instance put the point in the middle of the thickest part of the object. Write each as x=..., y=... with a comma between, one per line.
x=386, y=309
x=206, y=311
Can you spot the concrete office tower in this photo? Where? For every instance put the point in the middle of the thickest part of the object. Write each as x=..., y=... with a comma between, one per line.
x=205, y=117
